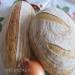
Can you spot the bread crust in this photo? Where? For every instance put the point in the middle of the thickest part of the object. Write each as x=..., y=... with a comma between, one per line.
x=11, y=37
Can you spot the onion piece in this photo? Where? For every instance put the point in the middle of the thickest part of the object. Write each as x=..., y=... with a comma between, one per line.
x=30, y=67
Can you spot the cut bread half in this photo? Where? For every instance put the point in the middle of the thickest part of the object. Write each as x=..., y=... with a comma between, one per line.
x=16, y=45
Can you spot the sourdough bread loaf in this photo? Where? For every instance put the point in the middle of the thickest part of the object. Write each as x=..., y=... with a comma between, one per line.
x=53, y=41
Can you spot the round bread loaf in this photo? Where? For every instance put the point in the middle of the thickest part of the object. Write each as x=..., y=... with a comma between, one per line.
x=52, y=38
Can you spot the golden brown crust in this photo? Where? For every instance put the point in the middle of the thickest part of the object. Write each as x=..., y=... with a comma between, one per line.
x=50, y=17
x=11, y=37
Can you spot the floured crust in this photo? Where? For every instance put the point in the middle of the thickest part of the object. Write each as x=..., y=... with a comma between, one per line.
x=44, y=33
